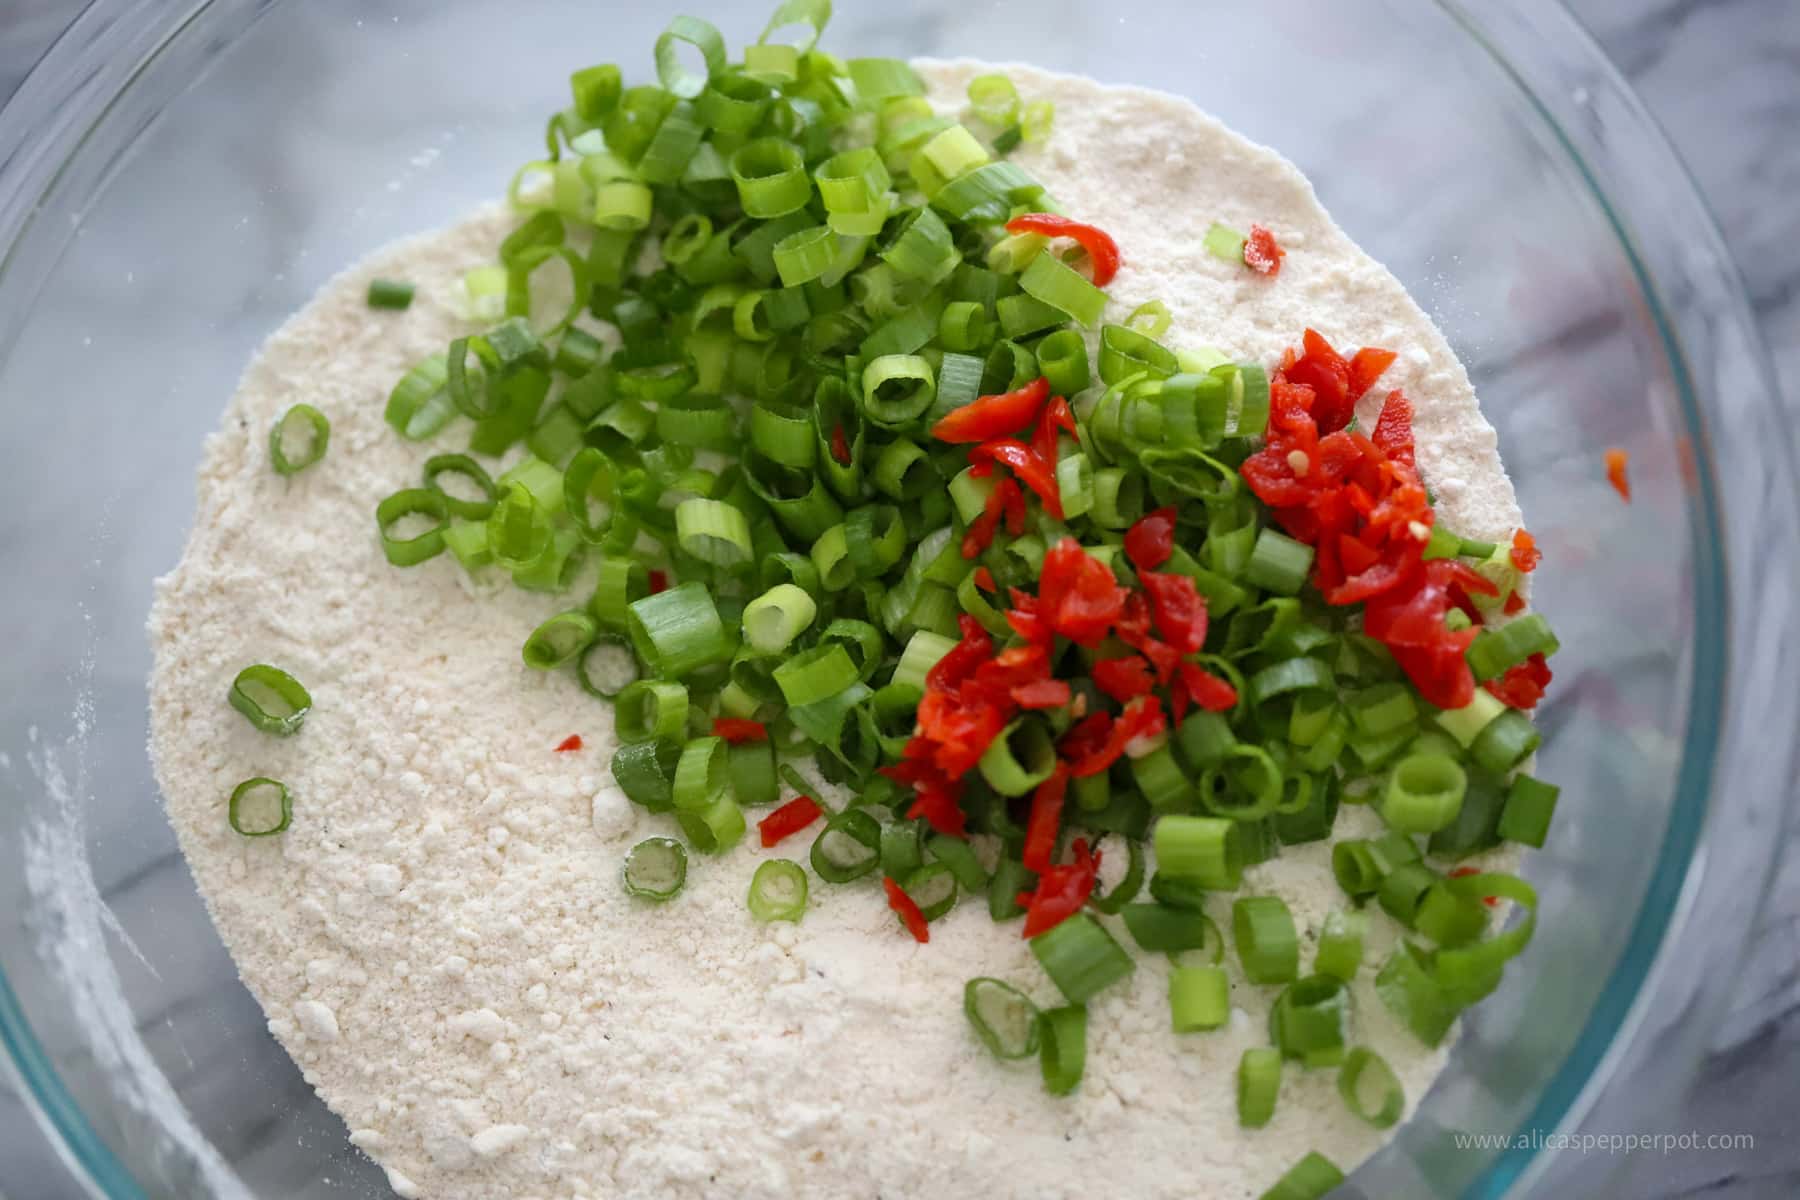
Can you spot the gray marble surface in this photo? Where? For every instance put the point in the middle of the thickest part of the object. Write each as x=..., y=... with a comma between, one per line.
x=1723, y=76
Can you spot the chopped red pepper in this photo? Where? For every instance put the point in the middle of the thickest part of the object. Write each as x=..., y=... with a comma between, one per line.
x=1178, y=610
x=1077, y=595
x=939, y=807
x=1042, y=693
x=1261, y=253
x=572, y=742
x=1102, y=251
x=1164, y=658
x=1033, y=471
x=984, y=579
x=1000, y=503
x=840, y=445
x=1616, y=460
x=1206, y=689
x=1490, y=901
x=1123, y=678
x=974, y=649
x=1045, y=822
x=1150, y=542
x=1055, y=421
x=659, y=582
x=1366, y=366
x=734, y=730
x=788, y=820
x=1143, y=717
x=1524, y=683
x=1324, y=370
x=1061, y=891
x=1524, y=554
x=1515, y=604
x=909, y=912
x=993, y=416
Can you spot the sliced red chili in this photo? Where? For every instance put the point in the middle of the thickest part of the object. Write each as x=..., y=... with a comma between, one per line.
x=974, y=649
x=1261, y=254
x=1042, y=693
x=1151, y=540
x=1515, y=603
x=1324, y=370
x=1077, y=595
x=1524, y=554
x=1206, y=689
x=1102, y=251
x=1164, y=658
x=572, y=742
x=1124, y=678
x=1055, y=421
x=984, y=579
x=736, y=729
x=1524, y=683
x=1143, y=717
x=1032, y=470
x=1062, y=890
x=1616, y=462
x=1177, y=609
x=659, y=582
x=941, y=808
x=1045, y=822
x=909, y=912
x=788, y=820
x=1366, y=366
x=998, y=505
x=840, y=445
x=993, y=416
x=1393, y=428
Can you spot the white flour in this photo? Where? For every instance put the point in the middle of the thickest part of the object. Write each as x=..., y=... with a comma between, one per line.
x=441, y=939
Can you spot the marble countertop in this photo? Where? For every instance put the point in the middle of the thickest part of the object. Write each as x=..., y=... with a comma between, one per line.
x=1723, y=77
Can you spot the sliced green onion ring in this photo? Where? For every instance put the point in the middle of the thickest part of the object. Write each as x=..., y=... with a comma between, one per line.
x=270, y=699
x=248, y=811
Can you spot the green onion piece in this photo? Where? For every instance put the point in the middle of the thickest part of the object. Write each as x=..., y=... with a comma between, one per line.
x=298, y=439
x=703, y=37
x=771, y=178
x=1465, y=724
x=897, y=388
x=1062, y=1045
x=1003, y=1017
x=963, y=326
x=1203, y=849
x=1403, y=888
x=1258, y=1085
x=932, y=887
x=596, y=92
x=1224, y=242
x=1506, y=742
x=715, y=828
x=957, y=855
x=1132, y=882
x=1081, y=958
x=903, y=471
x=1126, y=352
x=1010, y=878
x=1530, y=803
x=1494, y=650
x=815, y=674
x=1059, y=285
x=751, y=769
x=1307, y=1021
x=270, y=699
x=1203, y=739
x=559, y=639
x=994, y=99
x=255, y=811
x=702, y=775
x=774, y=619
x=1063, y=358
x=467, y=540
x=606, y=668
x=778, y=891
x=519, y=529
x=420, y=403
x=1340, y=950
x=1150, y=318
x=1309, y=1179
x=1199, y=999
x=477, y=509
x=1424, y=793
x=677, y=631
x=1278, y=563
x=1022, y=757
x=902, y=849
x=854, y=188
x=922, y=652
x=645, y=772
x=1267, y=946
x=1162, y=929
x=390, y=293
x=621, y=581
x=1409, y=989
x=1370, y=1088
x=1118, y=498
x=1246, y=786
x=655, y=869
x=849, y=846
x=650, y=709
x=805, y=255
x=713, y=531
x=1449, y=918
x=1036, y=119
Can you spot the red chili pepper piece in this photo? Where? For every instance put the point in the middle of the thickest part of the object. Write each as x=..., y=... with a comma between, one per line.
x=1150, y=542
x=1366, y=366
x=572, y=742
x=1324, y=370
x=1077, y=595
x=735, y=729
x=659, y=582
x=1045, y=821
x=1164, y=658
x=1261, y=253
x=1042, y=693
x=1524, y=554
x=1616, y=461
x=909, y=912
x=1177, y=609
x=1032, y=470
x=999, y=503
x=1515, y=603
x=993, y=416
x=840, y=445
x=788, y=820
x=1055, y=420
x=1524, y=683
x=1393, y=434
x=1490, y=901
x=1061, y=891
x=1102, y=251
x=939, y=807
x=1143, y=717
x=974, y=649
x=1206, y=689
x=1123, y=678
x=984, y=579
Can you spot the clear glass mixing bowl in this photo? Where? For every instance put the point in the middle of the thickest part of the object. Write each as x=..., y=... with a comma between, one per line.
x=173, y=184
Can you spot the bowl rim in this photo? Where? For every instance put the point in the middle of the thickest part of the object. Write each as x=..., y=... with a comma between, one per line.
x=114, y=45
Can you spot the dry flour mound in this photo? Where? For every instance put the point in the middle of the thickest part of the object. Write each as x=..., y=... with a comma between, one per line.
x=441, y=939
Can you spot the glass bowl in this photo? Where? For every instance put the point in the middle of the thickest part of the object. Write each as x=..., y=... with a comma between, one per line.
x=173, y=185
